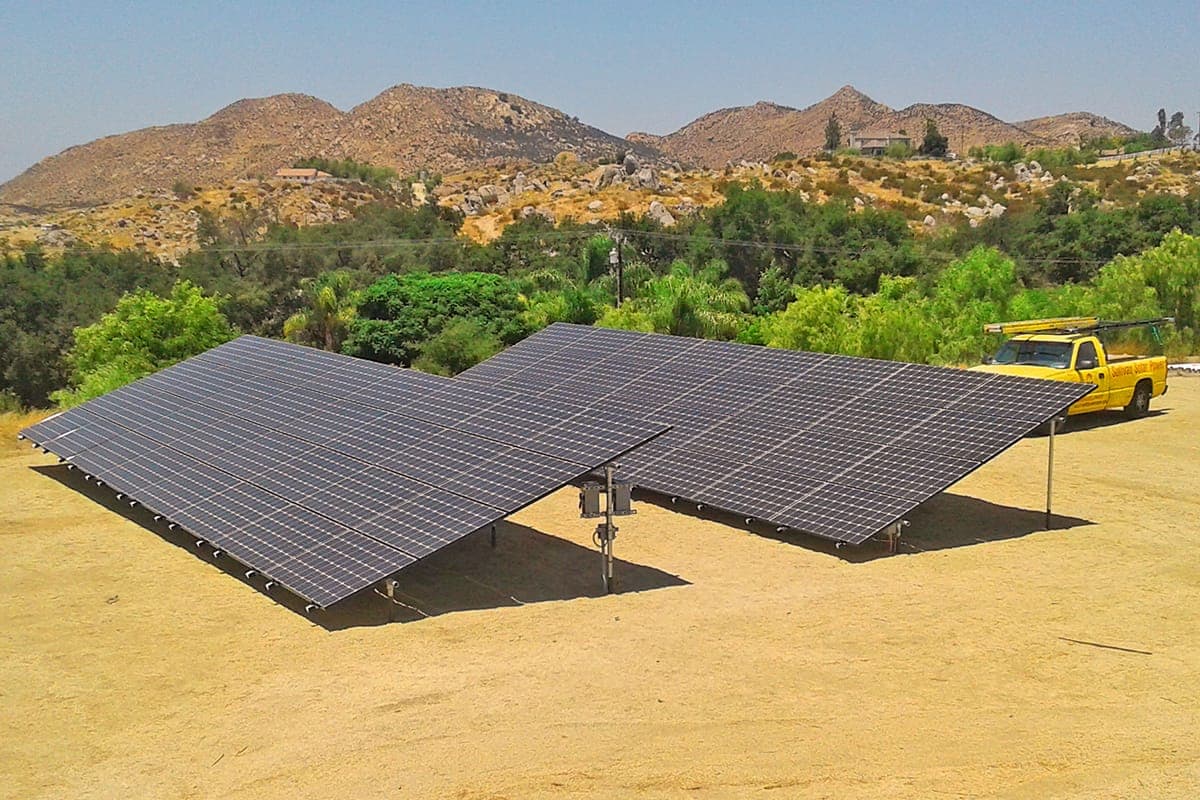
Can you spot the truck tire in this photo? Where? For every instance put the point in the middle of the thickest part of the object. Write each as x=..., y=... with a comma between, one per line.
x=1139, y=404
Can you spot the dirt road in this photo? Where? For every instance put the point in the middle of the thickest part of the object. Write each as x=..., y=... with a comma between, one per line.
x=990, y=659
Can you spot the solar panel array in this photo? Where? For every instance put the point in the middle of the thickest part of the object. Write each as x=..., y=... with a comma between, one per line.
x=327, y=473
x=834, y=446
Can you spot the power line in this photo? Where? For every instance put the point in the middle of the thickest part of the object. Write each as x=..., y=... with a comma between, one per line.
x=270, y=247
x=557, y=235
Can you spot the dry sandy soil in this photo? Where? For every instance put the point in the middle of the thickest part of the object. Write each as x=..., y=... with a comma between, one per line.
x=990, y=659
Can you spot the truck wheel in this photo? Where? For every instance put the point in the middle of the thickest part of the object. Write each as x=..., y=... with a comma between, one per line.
x=1139, y=405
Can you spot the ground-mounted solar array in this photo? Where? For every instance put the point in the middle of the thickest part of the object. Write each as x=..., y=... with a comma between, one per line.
x=834, y=446
x=327, y=473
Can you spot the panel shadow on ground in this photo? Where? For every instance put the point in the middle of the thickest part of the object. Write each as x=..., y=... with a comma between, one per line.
x=942, y=522
x=527, y=566
x=956, y=520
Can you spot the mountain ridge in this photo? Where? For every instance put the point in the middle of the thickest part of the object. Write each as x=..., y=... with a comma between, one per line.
x=412, y=128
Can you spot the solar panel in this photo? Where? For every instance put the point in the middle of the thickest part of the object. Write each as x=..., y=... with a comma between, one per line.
x=323, y=472
x=834, y=446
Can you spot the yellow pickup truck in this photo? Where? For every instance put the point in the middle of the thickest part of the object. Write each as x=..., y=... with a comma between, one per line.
x=1069, y=349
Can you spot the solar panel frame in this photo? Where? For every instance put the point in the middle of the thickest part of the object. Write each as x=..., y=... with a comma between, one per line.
x=785, y=429
x=236, y=444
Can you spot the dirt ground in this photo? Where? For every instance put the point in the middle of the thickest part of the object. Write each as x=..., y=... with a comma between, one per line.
x=989, y=659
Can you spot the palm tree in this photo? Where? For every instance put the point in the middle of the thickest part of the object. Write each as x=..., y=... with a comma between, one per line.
x=702, y=303
x=332, y=304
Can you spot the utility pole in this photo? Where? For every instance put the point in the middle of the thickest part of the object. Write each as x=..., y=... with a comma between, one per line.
x=617, y=261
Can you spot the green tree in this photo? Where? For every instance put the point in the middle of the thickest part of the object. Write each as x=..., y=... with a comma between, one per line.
x=1177, y=130
x=934, y=143
x=568, y=304
x=460, y=345
x=833, y=134
x=894, y=323
x=972, y=291
x=379, y=177
x=143, y=334
x=43, y=299
x=399, y=313
x=818, y=320
x=332, y=303
x=685, y=302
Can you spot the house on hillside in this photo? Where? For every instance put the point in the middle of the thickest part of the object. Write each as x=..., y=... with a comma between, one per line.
x=301, y=175
x=874, y=143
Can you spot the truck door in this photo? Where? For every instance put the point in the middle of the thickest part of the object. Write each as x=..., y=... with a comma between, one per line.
x=1091, y=370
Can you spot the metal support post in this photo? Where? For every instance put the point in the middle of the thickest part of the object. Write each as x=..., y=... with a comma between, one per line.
x=389, y=587
x=493, y=535
x=1050, y=470
x=608, y=527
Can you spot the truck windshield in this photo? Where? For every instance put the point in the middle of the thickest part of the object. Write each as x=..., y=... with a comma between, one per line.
x=1031, y=351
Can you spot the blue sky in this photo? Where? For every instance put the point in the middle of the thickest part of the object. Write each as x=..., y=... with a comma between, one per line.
x=71, y=72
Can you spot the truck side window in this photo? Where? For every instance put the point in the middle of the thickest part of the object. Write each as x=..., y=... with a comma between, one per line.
x=1085, y=357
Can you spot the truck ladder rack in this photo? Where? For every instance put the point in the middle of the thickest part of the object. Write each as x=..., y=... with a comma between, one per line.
x=1067, y=325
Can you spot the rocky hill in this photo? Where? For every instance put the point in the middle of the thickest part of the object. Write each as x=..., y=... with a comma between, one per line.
x=1067, y=130
x=406, y=127
x=760, y=131
x=411, y=128
x=764, y=129
x=930, y=194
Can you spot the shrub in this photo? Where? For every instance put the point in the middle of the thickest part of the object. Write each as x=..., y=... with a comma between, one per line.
x=460, y=345
x=399, y=313
x=143, y=334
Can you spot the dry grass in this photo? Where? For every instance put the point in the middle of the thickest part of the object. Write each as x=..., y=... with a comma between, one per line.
x=884, y=183
x=981, y=663
x=12, y=422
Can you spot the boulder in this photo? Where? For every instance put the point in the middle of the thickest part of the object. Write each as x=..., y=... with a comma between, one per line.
x=658, y=212
x=647, y=178
x=595, y=205
x=929, y=221
x=60, y=238
x=996, y=210
x=607, y=176
x=489, y=194
x=630, y=163
x=975, y=212
x=419, y=195
x=531, y=211
x=520, y=184
x=472, y=204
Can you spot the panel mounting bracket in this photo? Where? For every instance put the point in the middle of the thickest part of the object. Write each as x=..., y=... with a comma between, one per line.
x=893, y=535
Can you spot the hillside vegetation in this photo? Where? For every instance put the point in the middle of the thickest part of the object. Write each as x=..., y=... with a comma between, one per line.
x=931, y=195
x=791, y=254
